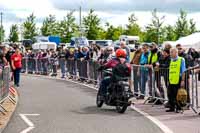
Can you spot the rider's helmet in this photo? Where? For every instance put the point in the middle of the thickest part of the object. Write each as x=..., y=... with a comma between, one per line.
x=120, y=53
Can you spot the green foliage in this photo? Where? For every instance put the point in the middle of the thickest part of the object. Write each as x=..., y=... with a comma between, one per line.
x=132, y=28
x=169, y=33
x=2, y=34
x=192, y=27
x=49, y=26
x=112, y=32
x=67, y=27
x=92, y=26
x=154, y=30
x=14, y=35
x=182, y=27
x=29, y=27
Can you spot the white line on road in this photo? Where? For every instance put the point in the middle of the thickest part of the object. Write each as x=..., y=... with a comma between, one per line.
x=28, y=122
x=27, y=130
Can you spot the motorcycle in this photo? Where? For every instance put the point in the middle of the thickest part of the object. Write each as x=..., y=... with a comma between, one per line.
x=118, y=93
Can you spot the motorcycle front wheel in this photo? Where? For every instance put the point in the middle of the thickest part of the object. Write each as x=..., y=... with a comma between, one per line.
x=121, y=108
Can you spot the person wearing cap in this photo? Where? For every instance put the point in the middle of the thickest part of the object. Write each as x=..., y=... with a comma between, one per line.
x=176, y=78
x=162, y=65
x=152, y=60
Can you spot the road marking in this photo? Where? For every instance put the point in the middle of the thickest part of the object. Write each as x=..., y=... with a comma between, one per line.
x=164, y=128
x=28, y=122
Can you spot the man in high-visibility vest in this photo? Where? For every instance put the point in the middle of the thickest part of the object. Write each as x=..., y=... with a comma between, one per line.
x=176, y=78
x=153, y=58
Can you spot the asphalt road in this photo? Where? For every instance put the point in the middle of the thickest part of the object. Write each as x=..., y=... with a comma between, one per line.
x=65, y=107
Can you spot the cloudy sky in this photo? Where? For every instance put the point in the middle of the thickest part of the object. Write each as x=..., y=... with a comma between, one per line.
x=114, y=11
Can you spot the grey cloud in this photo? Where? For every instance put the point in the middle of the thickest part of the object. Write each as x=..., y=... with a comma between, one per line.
x=10, y=16
x=130, y=5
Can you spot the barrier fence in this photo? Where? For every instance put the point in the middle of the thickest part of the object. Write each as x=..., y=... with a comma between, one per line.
x=151, y=83
x=4, y=83
x=6, y=92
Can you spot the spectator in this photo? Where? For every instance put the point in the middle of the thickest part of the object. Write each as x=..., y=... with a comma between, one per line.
x=168, y=46
x=16, y=63
x=176, y=78
x=144, y=70
x=111, y=54
x=1, y=58
x=54, y=62
x=152, y=59
x=136, y=78
x=189, y=62
x=123, y=46
x=62, y=61
x=163, y=65
x=9, y=54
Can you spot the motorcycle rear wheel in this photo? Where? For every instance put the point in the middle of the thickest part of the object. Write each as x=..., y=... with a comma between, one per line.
x=99, y=101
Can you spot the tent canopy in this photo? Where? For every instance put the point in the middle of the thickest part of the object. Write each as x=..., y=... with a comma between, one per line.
x=191, y=41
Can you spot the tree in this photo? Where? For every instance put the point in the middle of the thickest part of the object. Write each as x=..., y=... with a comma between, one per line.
x=29, y=27
x=14, y=35
x=112, y=32
x=192, y=27
x=154, y=31
x=92, y=26
x=49, y=26
x=133, y=28
x=169, y=33
x=67, y=27
x=182, y=26
x=2, y=34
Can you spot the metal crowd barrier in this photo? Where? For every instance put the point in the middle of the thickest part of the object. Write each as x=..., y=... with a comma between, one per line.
x=37, y=65
x=86, y=69
x=4, y=87
x=149, y=83
x=193, y=82
x=153, y=83
x=4, y=83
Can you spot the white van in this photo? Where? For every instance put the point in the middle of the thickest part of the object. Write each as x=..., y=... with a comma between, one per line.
x=44, y=46
x=130, y=40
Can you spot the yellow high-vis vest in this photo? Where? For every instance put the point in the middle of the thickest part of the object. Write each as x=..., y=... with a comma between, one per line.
x=174, y=71
x=154, y=58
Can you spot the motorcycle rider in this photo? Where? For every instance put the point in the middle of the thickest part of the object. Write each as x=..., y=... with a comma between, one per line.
x=120, y=58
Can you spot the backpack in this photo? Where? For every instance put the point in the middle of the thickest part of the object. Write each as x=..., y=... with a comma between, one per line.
x=121, y=70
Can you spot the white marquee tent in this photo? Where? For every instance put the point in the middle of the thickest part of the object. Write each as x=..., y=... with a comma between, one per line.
x=191, y=41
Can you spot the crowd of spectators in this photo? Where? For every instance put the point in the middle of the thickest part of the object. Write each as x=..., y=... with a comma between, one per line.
x=150, y=56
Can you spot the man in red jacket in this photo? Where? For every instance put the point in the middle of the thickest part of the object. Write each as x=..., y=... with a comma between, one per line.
x=16, y=62
x=120, y=59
